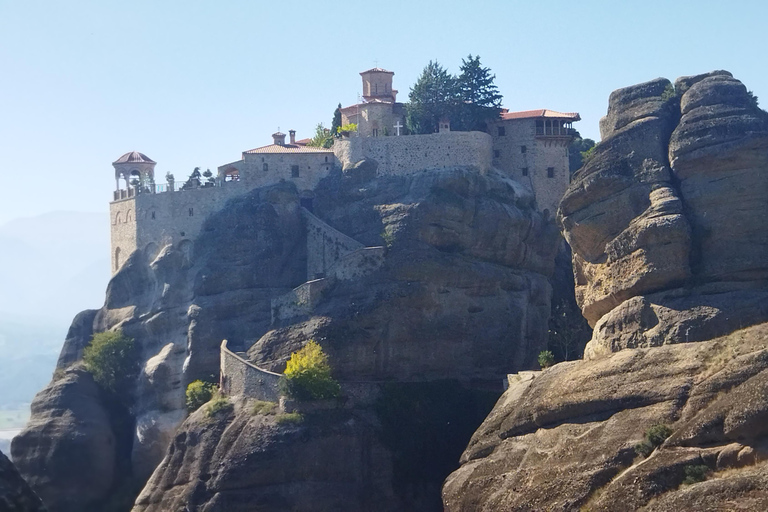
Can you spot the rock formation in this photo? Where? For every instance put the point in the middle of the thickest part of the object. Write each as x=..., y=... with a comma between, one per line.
x=666, y=223
x=566, y=439
x=666, y=220
x=248, y=462
x=462, y=294
x=15, y=494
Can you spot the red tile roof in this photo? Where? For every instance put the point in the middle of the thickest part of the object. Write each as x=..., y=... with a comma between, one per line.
x=303, y=142
x=542, y=112
x=288, y=148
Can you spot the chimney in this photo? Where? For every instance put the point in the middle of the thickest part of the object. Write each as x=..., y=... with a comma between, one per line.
x=292, y=133
x=279, y=138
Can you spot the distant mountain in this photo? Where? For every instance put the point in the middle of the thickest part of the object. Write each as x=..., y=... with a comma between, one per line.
x=51, y=267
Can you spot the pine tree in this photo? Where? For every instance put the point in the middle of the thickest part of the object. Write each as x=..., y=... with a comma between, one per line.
x=432, y=97
x=479, y=98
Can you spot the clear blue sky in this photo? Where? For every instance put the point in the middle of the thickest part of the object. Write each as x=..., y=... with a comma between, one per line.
x=194, y=83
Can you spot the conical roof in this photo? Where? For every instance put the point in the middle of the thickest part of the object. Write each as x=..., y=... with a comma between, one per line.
x=134, y=157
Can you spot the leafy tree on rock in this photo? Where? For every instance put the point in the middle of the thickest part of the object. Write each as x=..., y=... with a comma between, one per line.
x=432, y=97
x=112, y=359
x=479, y=98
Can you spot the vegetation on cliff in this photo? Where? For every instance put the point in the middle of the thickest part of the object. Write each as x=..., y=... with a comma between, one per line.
x=308, y=374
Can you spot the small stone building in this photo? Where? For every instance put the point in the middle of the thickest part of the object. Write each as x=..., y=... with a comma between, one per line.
x=532, y=147
x=292, y=161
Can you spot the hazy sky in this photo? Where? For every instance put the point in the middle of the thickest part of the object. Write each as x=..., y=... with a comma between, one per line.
x=195, y=83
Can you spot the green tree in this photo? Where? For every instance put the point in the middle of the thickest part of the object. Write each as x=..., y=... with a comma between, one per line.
x=432, y=97
x=578, y=150
x=112, y=359
x=198, y=393
x=479, y=98
x=308, y=374
x=546, y=359
x=336, y=123
x=322, y=137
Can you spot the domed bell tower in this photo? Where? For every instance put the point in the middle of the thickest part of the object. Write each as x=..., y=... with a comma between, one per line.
x=137, y=171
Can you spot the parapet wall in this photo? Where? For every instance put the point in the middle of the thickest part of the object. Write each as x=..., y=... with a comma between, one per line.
x=241, y=378
x=409, y=154
x=325, y=246
x=165, y=218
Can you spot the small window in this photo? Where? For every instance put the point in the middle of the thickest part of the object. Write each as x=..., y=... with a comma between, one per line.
x=265, y=166
x=375, y=132
x=326, y=159
x=524, y=171
x=153, y=215
x=550, y=172
x=294, y=171
x=496, y=153
x=523, y=149
x=191, y=212
x=502, y=131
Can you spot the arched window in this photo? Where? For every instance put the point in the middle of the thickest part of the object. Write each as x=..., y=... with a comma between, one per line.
x=117, y=259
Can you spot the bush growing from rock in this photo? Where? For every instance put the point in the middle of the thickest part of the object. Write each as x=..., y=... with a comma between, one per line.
x=198, y=393
x=654, y=436
x=308, y=375
x=546, y=359
x=112, y=360
x=217, y=404
x=695, y=473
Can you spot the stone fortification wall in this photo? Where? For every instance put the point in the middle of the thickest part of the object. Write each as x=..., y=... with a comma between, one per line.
x=358, y=263
x=151, y=221
x=298, y=302
x=325, y=246
x=409, y=154
x=241, y=378
x=302, y=300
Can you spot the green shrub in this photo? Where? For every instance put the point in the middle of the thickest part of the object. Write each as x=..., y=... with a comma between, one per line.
x=657, y=434
x=669, y=93
x=308, y=375
x=217, y=404
x=546, y=359
x=654, y=436
x=289, y=418
x=112, y=359
x=262, y=407
x=695, y=473
x=198, y=393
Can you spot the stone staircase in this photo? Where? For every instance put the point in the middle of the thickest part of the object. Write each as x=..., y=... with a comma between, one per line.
x=331, y=256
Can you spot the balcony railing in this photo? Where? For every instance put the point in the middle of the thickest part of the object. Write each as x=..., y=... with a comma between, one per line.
x=161, y=188
x=554, y=131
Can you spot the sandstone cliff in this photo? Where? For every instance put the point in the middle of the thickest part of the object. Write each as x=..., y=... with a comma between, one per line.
x=666, y=223
x=565, y=440
x=462, y=294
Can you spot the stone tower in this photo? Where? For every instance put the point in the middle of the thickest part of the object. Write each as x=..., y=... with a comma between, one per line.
x=377, y=85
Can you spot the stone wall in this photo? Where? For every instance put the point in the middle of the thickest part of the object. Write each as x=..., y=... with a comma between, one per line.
x=325, y=246
x=151, y=221
x=410, y=154
x=539, y=154
x=241, y=378
x=298, y=302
